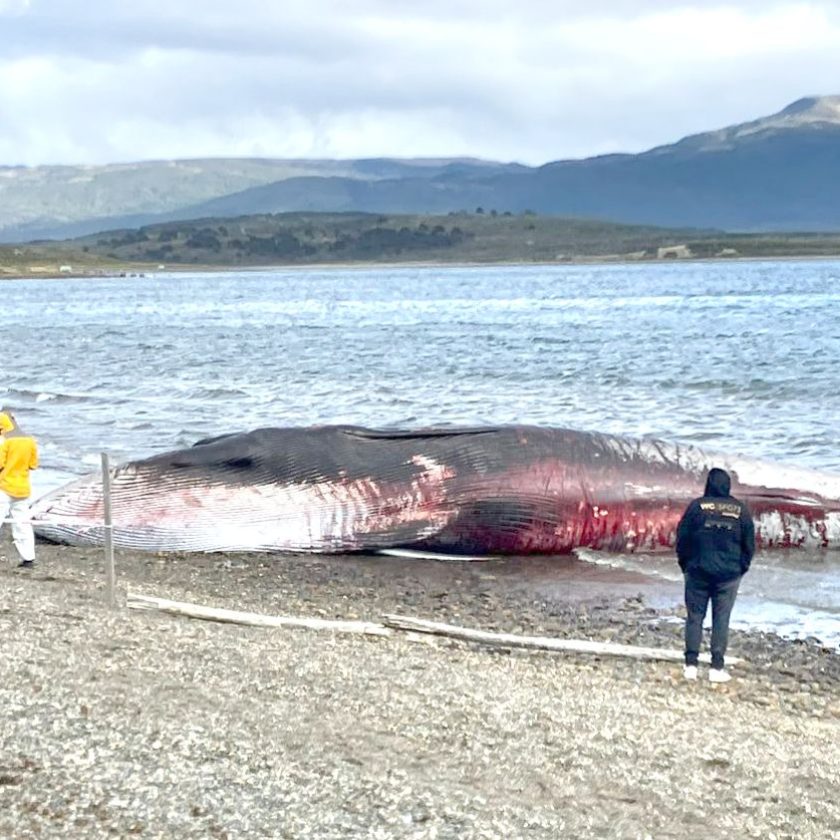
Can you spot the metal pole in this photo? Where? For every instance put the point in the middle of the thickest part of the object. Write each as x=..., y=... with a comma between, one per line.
x=109, y=532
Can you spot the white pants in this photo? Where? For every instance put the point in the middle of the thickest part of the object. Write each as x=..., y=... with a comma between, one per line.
x=22, y=533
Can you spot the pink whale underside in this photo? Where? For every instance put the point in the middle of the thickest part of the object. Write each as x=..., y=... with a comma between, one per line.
x=547, y=506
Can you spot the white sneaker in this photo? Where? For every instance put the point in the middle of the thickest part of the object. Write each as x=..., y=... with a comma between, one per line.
x=718, y=675
x=690, y=672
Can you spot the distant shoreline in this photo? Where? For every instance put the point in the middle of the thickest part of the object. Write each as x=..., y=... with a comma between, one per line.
x=367, y=265
x=369, y=241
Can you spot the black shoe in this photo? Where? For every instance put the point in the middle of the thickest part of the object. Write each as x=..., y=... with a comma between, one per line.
x=26, y=564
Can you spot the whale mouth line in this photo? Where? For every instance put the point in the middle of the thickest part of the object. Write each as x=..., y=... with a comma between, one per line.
x=415, y=434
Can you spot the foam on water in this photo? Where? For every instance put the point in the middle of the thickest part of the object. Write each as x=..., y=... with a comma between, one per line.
x=788, y=621
x=796, y=595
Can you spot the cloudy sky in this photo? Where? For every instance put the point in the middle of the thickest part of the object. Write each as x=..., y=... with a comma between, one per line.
x=97, y=81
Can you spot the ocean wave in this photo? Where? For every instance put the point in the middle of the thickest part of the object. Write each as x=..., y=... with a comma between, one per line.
x=663, y=567
x=205, y=393
x=28, y=396
x=35, y=396
x=187, y=437
x=790, y=621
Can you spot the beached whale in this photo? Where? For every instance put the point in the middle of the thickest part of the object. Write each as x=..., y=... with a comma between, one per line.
x=478, y=491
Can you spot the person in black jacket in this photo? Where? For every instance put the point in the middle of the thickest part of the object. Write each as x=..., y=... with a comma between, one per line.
x=715, y=546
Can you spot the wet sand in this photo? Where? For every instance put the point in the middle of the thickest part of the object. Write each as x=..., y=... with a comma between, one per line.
x=125, y=723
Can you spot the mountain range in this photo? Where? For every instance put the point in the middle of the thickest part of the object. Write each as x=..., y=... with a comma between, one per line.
x=777, y=173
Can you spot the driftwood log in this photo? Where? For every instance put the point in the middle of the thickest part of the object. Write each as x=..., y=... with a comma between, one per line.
x=420, y=625
x=409, y=625
x=181, y=608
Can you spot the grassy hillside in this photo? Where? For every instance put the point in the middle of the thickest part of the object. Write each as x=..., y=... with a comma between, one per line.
x=46, y=202
x=309, y=239
x=304, y=238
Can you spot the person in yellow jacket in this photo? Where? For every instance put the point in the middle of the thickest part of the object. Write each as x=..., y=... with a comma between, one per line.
x=18, y=455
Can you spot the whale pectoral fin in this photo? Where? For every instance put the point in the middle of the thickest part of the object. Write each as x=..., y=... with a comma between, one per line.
x=497, y=526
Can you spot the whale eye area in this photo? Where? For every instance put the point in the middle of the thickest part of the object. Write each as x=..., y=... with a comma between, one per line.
x=242, y=463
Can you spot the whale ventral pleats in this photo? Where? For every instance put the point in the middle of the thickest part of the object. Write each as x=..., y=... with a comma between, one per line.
x=473, y=490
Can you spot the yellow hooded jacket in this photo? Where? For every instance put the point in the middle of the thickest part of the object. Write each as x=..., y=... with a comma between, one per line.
x=18, y=455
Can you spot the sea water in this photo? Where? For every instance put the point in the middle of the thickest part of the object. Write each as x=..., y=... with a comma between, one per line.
x=740, y=357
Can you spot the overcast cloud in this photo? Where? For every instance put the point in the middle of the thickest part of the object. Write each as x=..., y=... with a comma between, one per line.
x=96, y=81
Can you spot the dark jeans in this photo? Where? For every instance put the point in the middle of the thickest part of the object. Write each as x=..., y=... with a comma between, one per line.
x=698, y=591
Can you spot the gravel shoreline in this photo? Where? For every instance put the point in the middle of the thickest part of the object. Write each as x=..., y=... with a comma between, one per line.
x=118, y=723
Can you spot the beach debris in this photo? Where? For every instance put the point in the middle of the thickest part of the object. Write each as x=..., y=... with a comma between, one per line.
x=410, y=625
x=187, y=610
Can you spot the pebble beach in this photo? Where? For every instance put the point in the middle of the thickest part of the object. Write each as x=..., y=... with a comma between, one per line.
x=121, y=723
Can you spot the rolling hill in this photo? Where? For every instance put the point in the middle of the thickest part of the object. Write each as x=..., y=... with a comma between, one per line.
x=776, y=173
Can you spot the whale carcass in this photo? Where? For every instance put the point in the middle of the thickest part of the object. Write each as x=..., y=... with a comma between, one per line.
x=495, y=490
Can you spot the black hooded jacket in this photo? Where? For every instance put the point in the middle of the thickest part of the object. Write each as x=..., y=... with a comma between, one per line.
x=716, y=535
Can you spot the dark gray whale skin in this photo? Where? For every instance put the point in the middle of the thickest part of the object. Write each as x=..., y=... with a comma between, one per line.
x=476, y=491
